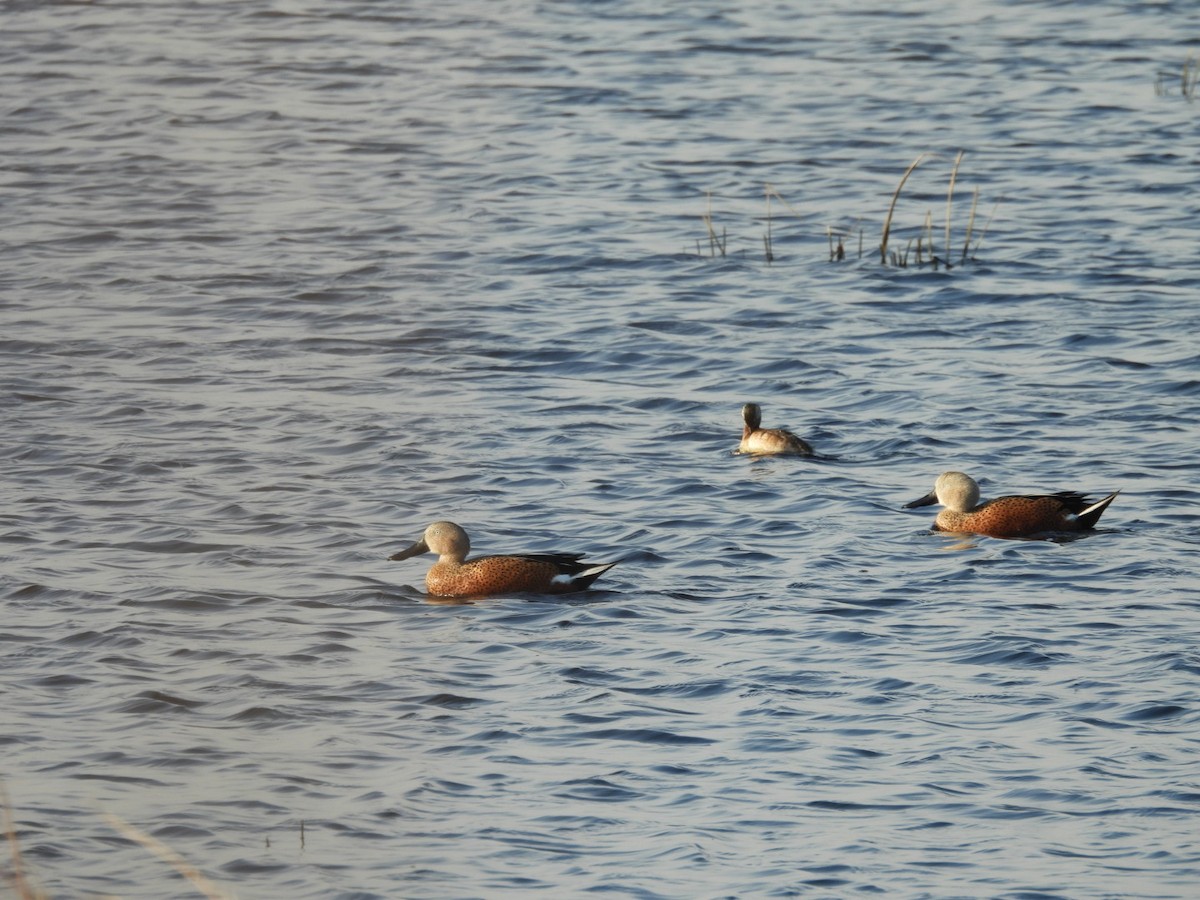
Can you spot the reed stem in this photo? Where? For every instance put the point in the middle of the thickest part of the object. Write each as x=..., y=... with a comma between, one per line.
x=714, y=243
x=986, y=225
x=887, y=222
x=929, y=236
x=161, y=850
x=21, y=885
x=767, y=238
x=970, y=225
x=950, y=198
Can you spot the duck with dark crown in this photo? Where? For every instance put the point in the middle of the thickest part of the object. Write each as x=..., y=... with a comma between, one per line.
x=759, y=440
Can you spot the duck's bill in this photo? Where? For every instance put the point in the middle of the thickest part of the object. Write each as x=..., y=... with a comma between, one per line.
x=415, y=550
x=928, y=500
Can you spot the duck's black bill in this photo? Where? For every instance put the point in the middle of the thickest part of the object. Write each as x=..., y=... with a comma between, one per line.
x=415, y=550
x=928, y=500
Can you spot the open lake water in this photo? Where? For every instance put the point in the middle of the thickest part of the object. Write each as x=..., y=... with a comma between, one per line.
x=283, y=282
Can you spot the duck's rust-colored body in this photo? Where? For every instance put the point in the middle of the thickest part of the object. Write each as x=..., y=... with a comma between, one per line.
x=453, y=575
x=1009, y=517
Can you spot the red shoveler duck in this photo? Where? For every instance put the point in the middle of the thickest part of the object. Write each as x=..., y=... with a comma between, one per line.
x=1009, y=517
x=759, y=440
x=453, y=575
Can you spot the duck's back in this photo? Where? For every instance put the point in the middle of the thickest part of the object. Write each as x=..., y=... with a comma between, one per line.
x=1018, y=516
x=774, y=440
x=549, y=572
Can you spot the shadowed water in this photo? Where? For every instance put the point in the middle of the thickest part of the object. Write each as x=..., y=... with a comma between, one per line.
x=283, y=283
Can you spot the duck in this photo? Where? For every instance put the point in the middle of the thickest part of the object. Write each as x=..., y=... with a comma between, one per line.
x=453, y=575
x=1015, y=516
x=758, y=440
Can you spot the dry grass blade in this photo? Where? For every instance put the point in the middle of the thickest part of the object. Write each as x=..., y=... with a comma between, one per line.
x=771, y=192
x=768, y=240
x=767, y=237
x=838, y=251
x=199, y=881
x=887, y=222
x=970, y=225
x=24, y=890
x=986, y=225
x=950, y=199
x=714, y=243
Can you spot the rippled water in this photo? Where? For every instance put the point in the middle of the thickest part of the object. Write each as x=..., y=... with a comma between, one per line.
x=284, y=282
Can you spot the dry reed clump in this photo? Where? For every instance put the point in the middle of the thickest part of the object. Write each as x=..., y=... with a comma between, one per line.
x=923, y=253
x=1188, y=77
x=925, y=249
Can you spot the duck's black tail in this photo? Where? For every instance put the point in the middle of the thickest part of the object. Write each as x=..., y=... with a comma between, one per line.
x=1090, y=516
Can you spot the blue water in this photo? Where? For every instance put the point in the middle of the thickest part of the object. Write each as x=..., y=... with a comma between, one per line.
x=282, y=283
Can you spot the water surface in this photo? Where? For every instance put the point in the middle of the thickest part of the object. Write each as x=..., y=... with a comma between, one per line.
x=282, y=283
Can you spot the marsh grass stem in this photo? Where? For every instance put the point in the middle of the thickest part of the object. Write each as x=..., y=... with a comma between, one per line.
x=950, y=199
x=986, y=225
x=24, y=889
x=970, y=225
x=714, y=243
x=197, y=878
x=887, y=222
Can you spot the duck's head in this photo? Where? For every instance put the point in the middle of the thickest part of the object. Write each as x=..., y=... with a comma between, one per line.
x=442, y=538
x=752, y=416
x=956, y=491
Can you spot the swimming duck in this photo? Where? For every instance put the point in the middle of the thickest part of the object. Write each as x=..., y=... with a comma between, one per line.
x=1008, y=517
x=756, y=439
x=454, y=576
